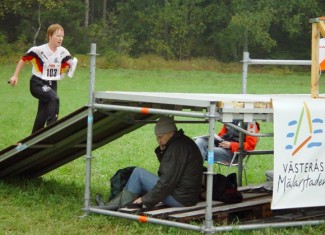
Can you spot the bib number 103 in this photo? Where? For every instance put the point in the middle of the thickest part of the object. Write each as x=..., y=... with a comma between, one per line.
x=52, y=72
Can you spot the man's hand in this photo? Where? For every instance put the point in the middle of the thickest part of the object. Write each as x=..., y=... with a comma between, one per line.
x=162, y=147
x=138, y=201
x=13, y=81
x=224, y=144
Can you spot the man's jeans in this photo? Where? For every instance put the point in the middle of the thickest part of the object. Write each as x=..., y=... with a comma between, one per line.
x=142, y=181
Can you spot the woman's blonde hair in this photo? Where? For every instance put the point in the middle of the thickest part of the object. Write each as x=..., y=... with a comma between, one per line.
x=52, y=29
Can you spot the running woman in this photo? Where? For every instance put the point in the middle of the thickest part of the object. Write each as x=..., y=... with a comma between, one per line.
x=50, y=62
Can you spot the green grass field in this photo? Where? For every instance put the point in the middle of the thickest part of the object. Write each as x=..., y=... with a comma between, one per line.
x=53, y=203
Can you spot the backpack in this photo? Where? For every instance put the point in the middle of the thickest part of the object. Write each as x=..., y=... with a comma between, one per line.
x=224, y=188
x=119, y=180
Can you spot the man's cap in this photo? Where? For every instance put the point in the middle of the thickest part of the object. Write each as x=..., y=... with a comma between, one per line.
x=165, y=125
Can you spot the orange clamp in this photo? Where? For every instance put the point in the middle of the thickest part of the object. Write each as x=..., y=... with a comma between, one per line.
x=145, y=110
x=143, y=219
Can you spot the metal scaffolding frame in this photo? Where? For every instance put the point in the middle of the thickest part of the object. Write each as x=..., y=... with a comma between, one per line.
x=225, y=113
x=248, y=61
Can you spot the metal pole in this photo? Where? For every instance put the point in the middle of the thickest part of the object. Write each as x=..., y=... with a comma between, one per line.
x=227, y=228
x=279, y=62
x=208, y=212
x=247, y=61
x=145, y=110
x=240, y=129
x=245, y=71
x=240, y=156
x=90, y=126
x=145, y=219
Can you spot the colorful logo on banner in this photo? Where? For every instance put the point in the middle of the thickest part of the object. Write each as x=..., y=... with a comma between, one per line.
x=307, y=141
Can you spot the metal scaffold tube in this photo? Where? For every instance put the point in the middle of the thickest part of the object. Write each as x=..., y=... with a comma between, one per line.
x=90, y=120
x=145, y=110
x=145, y=219
x=211, y=115
x=248, y=61
x=205, y=229
x=242, y=130
x=278, y=62
x=208, y=212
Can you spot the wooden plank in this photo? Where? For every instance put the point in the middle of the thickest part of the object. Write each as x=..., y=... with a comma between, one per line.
x=291, y=215
x=162, y=211
x=254, y=208
x=321, y=27
x=246, y=188
x=314, y=61
x=198, y=206
x=226, y=208
x=249, y=208
x=170, y=210
x=165, y=212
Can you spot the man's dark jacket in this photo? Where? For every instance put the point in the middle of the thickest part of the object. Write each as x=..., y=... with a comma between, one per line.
x=180, y=172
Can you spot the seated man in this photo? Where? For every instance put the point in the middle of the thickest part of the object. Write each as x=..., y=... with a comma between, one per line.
x=179, y=175
x=227, y=142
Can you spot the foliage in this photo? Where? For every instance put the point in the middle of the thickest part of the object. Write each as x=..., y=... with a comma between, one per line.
x=5, y=49
x=173, y=29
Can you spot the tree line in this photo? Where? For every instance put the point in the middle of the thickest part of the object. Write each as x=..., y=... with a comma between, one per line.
x=173, y=29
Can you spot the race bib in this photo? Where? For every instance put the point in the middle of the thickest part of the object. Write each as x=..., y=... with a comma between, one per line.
x=51, y=71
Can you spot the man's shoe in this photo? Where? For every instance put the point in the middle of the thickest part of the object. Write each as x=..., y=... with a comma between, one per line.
x=99, y=200
x=122, y=199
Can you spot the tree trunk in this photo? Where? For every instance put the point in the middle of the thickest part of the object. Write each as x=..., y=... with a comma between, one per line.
x=39, y=24
x=104, y=10
x=92, y=11
x=86, y=13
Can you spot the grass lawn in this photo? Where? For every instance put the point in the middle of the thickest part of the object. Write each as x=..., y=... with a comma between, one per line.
x=53, y=203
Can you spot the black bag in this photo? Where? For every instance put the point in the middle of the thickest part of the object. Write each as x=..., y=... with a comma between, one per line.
x=224, y=188
x=119, y=180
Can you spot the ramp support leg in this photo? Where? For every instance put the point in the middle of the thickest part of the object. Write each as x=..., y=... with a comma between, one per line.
x=90, y=121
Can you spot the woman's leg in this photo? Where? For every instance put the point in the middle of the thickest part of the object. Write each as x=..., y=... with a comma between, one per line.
x=203, y=143
x=222, y=155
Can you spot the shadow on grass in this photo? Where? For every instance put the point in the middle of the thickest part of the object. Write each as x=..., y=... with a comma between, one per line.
x=40, y=189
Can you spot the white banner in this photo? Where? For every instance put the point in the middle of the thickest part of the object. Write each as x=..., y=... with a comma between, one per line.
x=299, y=153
